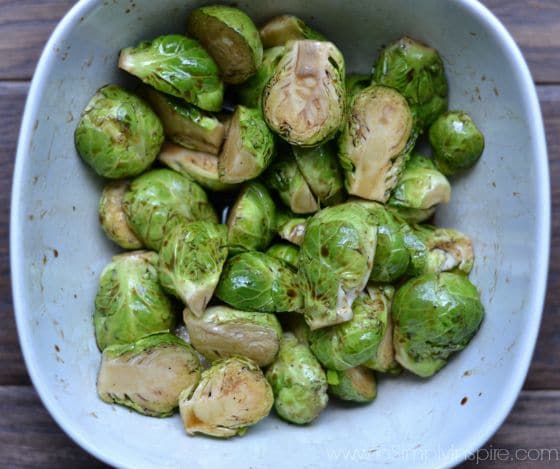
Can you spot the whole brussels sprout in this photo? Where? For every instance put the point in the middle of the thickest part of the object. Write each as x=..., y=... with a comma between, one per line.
x=118, y=135
x=284, y=28
x=191, y=259
x=130, y=302
x=179, y=66
x=232, y=395
x=251, y=220
x=254, y=281
x=231, y=38
x=112, y=217
x=304, y=100
x=248, y=148
x=457, y=142
x=375, y=142
x=354, y=384
x=160, y=199
x=148, y=375
x=285, y=252
x=355, y=83
x=434, y=316
x=335, y=262
x=222, y=332
x=417, y=72
x=290, y=228
x=298, y=382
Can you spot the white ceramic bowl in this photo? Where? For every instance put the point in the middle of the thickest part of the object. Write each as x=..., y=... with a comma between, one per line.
x=58, y=248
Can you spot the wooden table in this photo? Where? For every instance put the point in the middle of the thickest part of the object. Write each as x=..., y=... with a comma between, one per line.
x=29, y=436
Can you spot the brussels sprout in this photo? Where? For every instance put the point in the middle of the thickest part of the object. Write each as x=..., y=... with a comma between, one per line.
x=421, y=187
x=198, y=166
x=354, y=384
x=222, y=332
x=112, y=217
x=304, y=100
x=254, y=281
x=434, y=316
x=251, y=220
x=415, y=247
x=130, y=302
x=290, y=227
x=457, y=142
x=186, y=124
x=250, y=93
x=191, y=259
x=179, y=66
x=118, y=134
x=284, y=28
x=375, y=141
x=285, y=252
x=355, y=83
x=335, y=262
x=319, y=167
x=231, y=38
x=232, y=395
x=248, y=148
x=160, y=199
x=148, y=375
x=417, y=72
x=298, y=382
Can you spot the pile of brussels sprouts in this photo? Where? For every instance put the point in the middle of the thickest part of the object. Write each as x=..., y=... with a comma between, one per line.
x=322, y=273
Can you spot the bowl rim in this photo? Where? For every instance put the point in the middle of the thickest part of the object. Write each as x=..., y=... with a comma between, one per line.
x=542, y=217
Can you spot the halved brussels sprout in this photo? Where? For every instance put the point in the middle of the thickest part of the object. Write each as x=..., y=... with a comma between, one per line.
x=223, y=332
x=435, y=315
x=118, y=135
x=335, y=262
x=231, y=38
x=232, y=395
x=160, y=199
x=354, y=384
x=112, y=217
x=375, y=142
x=191, y=259
x=130, y=302
x=248, y=148
x=290, y=228
x=254, y=281
x=304, y=100
x=186, y=124
x=251, y=220
x=148, y=375
x=355, y=83
x=298, y=382
x=284, y=28
x=285, y=252
x=179, y=66
x=457, y=142
x=417, y=72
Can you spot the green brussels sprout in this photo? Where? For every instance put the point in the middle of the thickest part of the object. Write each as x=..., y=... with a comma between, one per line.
x=298, y=382
x=417, y=72
x=421, y=187
x=187, y=125
x=251, y=220
x=415, y=247
x=232, y=395
x=148, y=375
x=285, y=252
x=434, y=316
x=222, y=332
x=375, y=142
x=335, y=262
x=304, y=100
x=118, y=135
x=354, y=384
x=179, y=66
x=112, y=217
x=355, y=83
x=191, y=259
x=196, y=165
x=248, y=148
x=284, y=28
x=457, y=142
x=160, y=199
x=290, y=228
x=319, y=167
x=130, y=302
x=254, y=281
x=231, y=38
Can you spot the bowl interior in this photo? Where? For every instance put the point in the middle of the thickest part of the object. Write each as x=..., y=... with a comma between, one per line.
x=59, y=249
